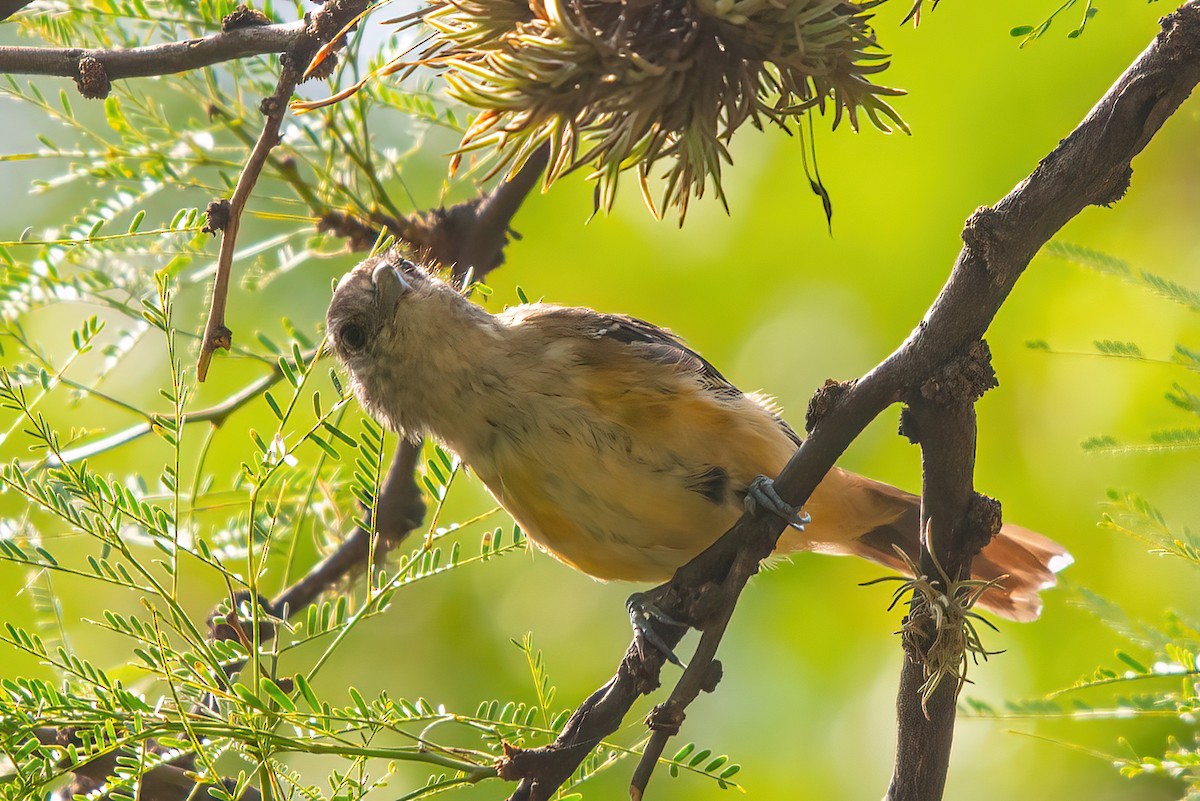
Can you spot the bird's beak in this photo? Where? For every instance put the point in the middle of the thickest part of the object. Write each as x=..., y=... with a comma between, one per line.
x=389, y=286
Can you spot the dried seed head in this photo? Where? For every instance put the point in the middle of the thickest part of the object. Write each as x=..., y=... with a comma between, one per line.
x=614, y=86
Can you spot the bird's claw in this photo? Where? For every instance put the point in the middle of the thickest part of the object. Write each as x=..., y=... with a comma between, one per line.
x=761, y=493
x=643, y=611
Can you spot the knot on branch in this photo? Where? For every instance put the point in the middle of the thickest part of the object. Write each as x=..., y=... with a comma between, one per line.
x=980, y=236
x=644, y=672
x=983, y=521
x=1179, y=17
x=964, y=379
x=712, y=676
x=328, y=21
x=323, y=69
x=221, y=337
x=321, y=39
x=243, y=17
x=360, y=235
x=92, y=79
x=1115, y=188
x=308, y=62
x=510, y=766
x=534, y=767
x=441, y=234
x=824, y=401
x=216, y=216
x=236, y=622
x=666, y=718
x=271, y=107
x=693, y=600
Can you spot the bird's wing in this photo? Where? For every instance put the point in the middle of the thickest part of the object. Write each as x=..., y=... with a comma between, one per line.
x=642, y=339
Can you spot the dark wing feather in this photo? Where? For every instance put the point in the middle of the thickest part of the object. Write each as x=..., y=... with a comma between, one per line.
x=649, y=342
x=660, y=345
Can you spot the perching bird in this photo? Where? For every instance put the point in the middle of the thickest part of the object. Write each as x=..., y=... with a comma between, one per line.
x=618, y=449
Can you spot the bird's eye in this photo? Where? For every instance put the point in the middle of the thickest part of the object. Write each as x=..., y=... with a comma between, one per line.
x=352, y=336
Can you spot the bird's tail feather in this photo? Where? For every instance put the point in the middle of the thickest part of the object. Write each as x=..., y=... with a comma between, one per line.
x=1022, y=562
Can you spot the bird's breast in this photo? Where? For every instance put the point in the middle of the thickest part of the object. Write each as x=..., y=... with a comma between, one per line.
x=615, y=489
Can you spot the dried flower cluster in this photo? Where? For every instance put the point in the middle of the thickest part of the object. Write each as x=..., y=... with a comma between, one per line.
x=615, y=85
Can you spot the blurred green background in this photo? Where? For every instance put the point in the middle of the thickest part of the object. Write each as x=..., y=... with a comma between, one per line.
x=779, y=304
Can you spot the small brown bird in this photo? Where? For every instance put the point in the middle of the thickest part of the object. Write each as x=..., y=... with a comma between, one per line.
x=618, y=449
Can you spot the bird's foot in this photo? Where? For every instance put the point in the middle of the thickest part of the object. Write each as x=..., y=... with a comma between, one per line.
x=761, y=494
x=644, y=612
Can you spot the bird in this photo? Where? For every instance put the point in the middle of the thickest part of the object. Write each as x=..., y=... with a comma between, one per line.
x=617, y=448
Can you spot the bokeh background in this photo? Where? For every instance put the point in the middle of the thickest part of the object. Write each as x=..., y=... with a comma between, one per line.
x=779, y=303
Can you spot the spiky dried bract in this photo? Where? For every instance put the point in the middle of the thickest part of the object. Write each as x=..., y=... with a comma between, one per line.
x=616, y=86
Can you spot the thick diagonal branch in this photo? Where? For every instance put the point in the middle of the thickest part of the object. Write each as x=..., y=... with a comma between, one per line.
x=1089, y=167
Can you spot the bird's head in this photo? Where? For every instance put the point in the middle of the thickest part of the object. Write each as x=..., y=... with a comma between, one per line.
x=393, y=324
x=363, y=314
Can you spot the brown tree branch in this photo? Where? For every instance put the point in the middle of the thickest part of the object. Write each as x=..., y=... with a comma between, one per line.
x=1089, y=167
x=400, y=510
x=941, y=418
x=165, y=58
x=320, y=28
x=216, y=333
x=469, y=237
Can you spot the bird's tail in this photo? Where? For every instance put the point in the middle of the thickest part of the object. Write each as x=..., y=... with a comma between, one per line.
x=1022, y=561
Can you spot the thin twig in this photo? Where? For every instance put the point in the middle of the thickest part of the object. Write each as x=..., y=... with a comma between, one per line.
x=332, y=15
x=216, y=415
x=216, y=333
x=483, y=250
x=1089, y=167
